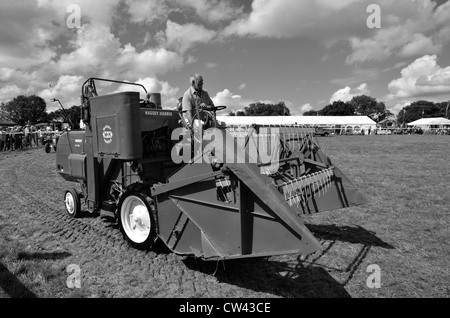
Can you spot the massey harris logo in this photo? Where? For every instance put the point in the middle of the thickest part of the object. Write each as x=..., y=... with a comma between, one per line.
x=107, y=134
x=158, y=113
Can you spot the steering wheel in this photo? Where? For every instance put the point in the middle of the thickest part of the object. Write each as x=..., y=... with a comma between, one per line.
x=217, y=108
x=208, y=115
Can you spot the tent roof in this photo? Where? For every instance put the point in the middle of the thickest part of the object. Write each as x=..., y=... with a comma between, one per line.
x=6, y=123
x=430, y=121
x=297, y=120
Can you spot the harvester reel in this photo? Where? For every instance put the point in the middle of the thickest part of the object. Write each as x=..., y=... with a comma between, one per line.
x=137, y=219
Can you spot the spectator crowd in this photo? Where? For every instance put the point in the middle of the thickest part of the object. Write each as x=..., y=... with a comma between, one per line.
x=22, y=137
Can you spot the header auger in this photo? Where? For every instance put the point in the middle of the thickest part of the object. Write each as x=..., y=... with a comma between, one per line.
x=221, y=193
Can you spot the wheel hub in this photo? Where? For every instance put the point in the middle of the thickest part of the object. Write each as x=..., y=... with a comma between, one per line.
x=135, y=219
x=70, y=204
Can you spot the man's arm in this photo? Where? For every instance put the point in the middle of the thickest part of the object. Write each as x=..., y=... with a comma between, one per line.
x=187, y=106
x=210, y=102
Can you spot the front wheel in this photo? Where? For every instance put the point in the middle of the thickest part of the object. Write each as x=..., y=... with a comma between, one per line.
x=47, y=148
x=137, y=219
x=72, y=203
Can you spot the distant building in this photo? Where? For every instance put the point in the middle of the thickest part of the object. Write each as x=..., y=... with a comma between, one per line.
x=387, y=123
x=431, y=123
x=6, y=123
x=339, y=124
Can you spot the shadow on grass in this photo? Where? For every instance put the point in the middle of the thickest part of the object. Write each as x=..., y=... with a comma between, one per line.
x=84, y=214
x=274, y=277
x=350, y=234
x=42, y=256
x=295, y=278
x=13, y=286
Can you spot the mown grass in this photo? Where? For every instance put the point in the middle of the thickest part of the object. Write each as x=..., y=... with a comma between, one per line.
x=404, y=230
x=406, y=179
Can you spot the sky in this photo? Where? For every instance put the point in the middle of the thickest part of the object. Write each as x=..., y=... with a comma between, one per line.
x=307, y=53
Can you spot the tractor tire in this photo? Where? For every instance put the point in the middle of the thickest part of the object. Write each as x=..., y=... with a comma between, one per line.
x=137, y=220
x=72, y=203
x=47, y=148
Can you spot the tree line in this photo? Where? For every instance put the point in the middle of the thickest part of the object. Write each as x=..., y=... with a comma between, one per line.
x=33, y=109
x=263, y=109
x=362, y=105
x=423, y=109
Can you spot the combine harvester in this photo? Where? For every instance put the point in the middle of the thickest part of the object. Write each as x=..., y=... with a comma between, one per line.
x=218, y=203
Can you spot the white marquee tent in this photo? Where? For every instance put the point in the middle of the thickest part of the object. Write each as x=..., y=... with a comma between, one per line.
x=352, y=122
x=429, y=123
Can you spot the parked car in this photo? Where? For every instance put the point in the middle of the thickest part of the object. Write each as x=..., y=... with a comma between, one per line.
x=320, y=131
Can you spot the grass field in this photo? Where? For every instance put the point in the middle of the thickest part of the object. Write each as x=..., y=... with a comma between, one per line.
x=404, y=230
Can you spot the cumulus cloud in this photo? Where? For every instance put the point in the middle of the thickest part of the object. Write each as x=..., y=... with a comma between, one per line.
x=97, y=51
x=420, y=29
x=38, y=47
x=409, y=28
x=242, y=86
x=213, y=11
x=397, y=107
x=10, y=91
x=169, y=94
x=347, y=93
x=291, y=18
x=305, y=108
x=25, y=33
x=211, y=65
x=67, y=89
x=144, y=11
x=99, y=12
x=423, y=77
x=182, y=37
x=232, y=101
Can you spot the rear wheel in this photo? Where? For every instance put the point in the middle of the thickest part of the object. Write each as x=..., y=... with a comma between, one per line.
x=72, y=203
x=47, y=148
x=137, y=220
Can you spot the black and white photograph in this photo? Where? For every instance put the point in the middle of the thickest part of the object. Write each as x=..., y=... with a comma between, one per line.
x=230, y=156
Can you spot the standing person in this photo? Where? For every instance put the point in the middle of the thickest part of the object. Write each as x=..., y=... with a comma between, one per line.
x=26, y=139
x=41, y=136
x=19, y=138
x=13, y=138
x=7, y=140
x=194, y=98
x=2, y=139
x=34, y=136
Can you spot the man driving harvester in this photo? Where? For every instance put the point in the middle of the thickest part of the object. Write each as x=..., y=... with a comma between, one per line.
x=195, y=99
